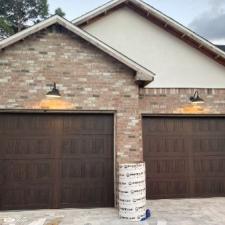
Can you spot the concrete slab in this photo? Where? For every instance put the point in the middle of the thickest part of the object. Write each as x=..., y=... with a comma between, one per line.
x=209, y=211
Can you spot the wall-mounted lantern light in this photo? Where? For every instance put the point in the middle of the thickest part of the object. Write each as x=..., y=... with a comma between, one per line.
x=54, y=92
x=195, y=99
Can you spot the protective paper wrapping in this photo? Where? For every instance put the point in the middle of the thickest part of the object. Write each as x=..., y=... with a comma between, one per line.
x=132, y=191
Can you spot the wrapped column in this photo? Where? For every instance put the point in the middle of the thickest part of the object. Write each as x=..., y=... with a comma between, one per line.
x=132, y=191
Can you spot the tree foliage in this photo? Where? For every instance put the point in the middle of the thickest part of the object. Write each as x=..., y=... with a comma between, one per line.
x=15, y=15
x=60, y=12
x=5, y=29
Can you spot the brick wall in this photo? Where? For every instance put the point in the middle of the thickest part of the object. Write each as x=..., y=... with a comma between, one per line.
x=88, y=79
x=176, y=101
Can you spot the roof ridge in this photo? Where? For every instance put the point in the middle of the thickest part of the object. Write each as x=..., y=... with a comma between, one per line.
x=98, y=8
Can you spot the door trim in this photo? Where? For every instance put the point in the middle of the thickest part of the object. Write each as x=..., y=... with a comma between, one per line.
x=181, y=115
x=27, y=111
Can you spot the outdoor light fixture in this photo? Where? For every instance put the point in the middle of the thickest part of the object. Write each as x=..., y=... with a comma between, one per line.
x=196, y=98
x=54, y=93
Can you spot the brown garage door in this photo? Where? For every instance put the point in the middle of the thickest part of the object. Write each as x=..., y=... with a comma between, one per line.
x=185, y=157
x=56, y=161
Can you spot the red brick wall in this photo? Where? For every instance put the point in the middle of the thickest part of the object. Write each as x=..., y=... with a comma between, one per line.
x=88, y=79
x=176, y=101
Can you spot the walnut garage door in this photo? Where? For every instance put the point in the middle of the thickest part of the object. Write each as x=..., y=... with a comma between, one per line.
x=56, y=161
x=185, y=157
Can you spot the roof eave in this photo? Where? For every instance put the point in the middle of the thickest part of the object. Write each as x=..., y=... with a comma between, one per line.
x=142, y=80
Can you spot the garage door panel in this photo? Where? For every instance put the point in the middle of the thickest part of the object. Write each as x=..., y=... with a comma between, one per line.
x=164, y=167
x=100, y=125
x=89, y=145
x=162, y=188
x=72, y=169
x=21, y=173
x=78, y=196
x=86, y=169
x=209, y=166
x=26, y=148
x=210, y=144
x=205, y=125
x=191, y=147
x=167, y=126
x=209, y=187
x=91, y=184
x=43, y=155
x=25, y=123
x=84, y=132
x=162, y=144
x=96, y=169
x=26, y=132
x=30, y=197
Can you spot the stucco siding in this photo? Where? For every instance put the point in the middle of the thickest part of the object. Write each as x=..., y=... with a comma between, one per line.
x=176, y=64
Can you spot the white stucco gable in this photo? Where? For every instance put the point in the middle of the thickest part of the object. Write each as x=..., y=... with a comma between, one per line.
x=176, y=63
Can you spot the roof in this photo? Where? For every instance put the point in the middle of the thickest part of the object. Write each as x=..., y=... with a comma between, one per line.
x=146, y=76
x=159, y=19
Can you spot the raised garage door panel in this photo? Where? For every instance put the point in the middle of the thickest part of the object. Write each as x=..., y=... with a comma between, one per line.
x=87, y=162
x=56, y=161
x=185, y=157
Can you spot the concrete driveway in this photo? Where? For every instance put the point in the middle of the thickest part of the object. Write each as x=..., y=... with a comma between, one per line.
x=164, y=212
